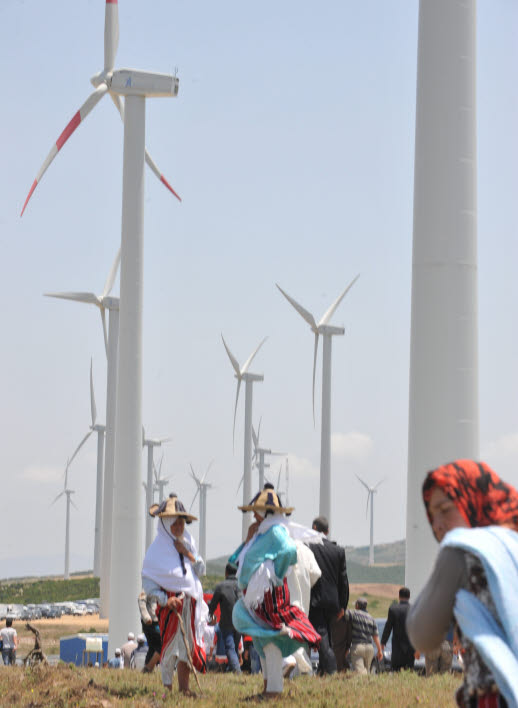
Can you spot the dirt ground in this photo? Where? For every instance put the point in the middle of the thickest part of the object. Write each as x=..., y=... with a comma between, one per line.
x=378, y=589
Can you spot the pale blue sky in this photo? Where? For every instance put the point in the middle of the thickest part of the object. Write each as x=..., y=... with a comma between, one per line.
x=291, y=143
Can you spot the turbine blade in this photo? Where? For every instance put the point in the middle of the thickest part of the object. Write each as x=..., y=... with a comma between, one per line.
x=194, y=498
x=329, y=313
x=81, y=114
x=87, y=298
x=112, y=274
x=193, y=474
x=207, y=471
x=364, y=483
x=239, y=485
x=314, y=373
x=278, y=479
x=250, y=358
x=255, y=439
x=74, y=505
x=93, y=409
x=79, y=447
x=111, y=34
x=55, y=500
x=304, y=313
x=235, y=412
x=160, y=466
x=378, y=484
x=232, y=358
x=151, y=163
x=105, y=330
x=259, y=430
x=367, y=508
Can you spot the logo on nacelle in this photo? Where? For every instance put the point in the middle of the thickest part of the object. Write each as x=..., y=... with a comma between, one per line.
x=128, y=82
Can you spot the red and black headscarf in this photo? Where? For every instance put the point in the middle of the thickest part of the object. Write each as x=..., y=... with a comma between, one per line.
x=479, y=494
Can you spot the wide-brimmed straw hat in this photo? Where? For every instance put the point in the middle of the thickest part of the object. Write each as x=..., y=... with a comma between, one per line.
x=267, y=500
x=171, y=506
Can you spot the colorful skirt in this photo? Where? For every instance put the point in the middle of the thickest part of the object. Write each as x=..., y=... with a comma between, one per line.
x=275, y=620
x=173, y=644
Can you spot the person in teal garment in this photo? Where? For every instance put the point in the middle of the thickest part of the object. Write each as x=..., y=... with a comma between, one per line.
x=263, y=562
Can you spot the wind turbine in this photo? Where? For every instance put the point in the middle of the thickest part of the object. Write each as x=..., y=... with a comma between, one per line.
x=242, y=374
x=68, y=492
x=135, y=86
x=99, y=429
x=260, y=453
x=111, y=339
x=370, y=498
x=202, y=487
x=150, y=443
x=159, y=482
x=327, y=331
x=443, y=392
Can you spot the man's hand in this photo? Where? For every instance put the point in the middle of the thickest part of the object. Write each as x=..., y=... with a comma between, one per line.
x=149, y=621
x=212, y=621
x=252, y=530
x=174, y=603
x=380, y=655
x=340, y=614
x=181, y=548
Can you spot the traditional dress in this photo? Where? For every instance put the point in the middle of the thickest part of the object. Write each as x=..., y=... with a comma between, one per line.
x=475, y=579
x=166, y=572
x=264, y=611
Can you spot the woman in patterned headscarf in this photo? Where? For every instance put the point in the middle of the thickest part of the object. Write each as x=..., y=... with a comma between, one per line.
x=264, y=611
x=474, y=516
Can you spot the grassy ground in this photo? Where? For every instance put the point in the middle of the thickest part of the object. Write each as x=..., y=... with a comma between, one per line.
x=51, y=631
x=65, y=686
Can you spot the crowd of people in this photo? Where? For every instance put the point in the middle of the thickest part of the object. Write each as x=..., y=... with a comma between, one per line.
x=286, y=593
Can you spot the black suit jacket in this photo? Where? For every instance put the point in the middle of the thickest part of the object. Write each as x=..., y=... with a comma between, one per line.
x=402, y=650
x=331, y=591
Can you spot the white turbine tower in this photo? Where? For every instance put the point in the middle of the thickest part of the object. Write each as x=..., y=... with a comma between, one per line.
x=260, y=453
x=327, y=331
x=160, y=483
x=150, y=443
x=443, y=409
x=99, y=429
x=68, y=492
x=242, y=374
x=111, y=340
x=371, y=491
x=135, y=86
x=202, y=487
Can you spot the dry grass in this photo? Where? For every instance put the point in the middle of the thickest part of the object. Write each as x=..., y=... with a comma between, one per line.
x=65, y=686
x=51, y=631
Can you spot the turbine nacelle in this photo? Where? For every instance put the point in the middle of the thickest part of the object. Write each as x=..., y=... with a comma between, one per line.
x=131, y=82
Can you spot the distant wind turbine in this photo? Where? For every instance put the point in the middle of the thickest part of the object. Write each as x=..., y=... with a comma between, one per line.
x=68, y=492
x=150, y=443
x=242, y=374
x=370, y=498
x=202, y=487
x=260, y=453
x=99, y=429
x=160, y=482
x=327, y=331
x=111, y=339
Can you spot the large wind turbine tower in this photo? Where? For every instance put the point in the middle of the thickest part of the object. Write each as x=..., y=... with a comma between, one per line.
x=443, y=410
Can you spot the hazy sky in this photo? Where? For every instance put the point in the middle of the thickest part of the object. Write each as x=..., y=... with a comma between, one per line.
x=292, y=144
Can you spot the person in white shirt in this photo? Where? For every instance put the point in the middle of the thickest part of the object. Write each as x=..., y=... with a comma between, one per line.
x=9, y=639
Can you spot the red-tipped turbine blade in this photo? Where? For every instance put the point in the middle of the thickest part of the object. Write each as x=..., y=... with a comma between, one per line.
x=151, y=163
x=111, y=33
x=81, y=114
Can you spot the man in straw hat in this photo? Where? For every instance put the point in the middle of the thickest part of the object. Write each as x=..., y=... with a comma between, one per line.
x=264, y=611
x=170, y=575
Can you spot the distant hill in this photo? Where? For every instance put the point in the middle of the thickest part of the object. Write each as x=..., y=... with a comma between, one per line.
x=389, y=564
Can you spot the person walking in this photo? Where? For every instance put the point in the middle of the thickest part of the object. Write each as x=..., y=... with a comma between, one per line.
x=171, y=575
x=364, y=631
x=9, y=638
x=138, y=656
x=264, y=611
x=474, y=516
x=127, y=649
x=151, y=629
x=225, y=595
x=403, y=653
x=329, y=595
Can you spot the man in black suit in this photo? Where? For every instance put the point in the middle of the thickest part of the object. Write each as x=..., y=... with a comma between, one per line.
x=402, y=651
x=329, y=595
